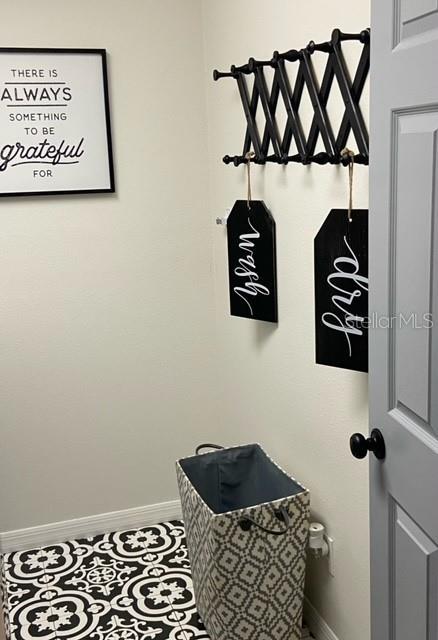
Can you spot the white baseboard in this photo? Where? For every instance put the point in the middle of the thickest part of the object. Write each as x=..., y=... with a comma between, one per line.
x=46, y=534
x=316, y=623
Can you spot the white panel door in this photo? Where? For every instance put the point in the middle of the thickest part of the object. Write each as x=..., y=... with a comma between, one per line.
x=403, y=301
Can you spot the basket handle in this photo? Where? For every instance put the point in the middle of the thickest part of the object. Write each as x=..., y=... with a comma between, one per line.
x=207, y=446
x=247, y=522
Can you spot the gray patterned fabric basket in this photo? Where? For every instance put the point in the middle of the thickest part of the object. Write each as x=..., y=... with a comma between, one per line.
x=247, y=526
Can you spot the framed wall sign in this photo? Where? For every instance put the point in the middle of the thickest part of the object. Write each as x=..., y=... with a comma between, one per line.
x=54, y=122
x=252, y=261
x=341, y=290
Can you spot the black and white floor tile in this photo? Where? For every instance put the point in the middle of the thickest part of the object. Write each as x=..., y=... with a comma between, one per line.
x=130, y=585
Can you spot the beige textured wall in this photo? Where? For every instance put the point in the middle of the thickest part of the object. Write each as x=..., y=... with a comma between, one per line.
x=303, y=413
x=106, y=324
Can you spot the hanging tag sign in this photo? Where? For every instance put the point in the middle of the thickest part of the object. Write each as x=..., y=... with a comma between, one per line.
x=341, y=290
x=252, y=261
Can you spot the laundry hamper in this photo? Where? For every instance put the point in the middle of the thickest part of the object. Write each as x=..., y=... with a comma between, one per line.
x=247, y=526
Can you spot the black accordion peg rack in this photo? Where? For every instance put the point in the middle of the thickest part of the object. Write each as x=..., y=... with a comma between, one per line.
x=270, y=145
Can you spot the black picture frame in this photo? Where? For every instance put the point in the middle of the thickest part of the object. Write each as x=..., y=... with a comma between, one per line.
x=80, y=51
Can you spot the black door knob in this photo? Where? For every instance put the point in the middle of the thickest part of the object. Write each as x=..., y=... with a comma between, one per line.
x=360, y=445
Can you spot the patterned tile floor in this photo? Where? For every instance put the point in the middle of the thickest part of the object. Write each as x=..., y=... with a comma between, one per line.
x=130, y=585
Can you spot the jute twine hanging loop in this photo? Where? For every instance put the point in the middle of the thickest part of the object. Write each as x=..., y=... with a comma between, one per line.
x=248, y=157
x=349, y=154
